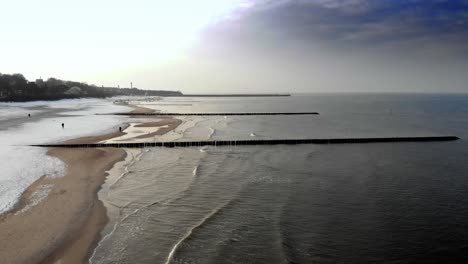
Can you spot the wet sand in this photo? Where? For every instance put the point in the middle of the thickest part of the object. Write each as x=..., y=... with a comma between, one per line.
x=141, y=110
x=49, y=229
x=166, y=124
x=65, y=226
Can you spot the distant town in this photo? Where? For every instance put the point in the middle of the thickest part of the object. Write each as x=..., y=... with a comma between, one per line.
x=16, y=88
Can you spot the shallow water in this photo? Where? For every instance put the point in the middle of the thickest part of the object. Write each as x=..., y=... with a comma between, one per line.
x=22, y=165
x=363, y=203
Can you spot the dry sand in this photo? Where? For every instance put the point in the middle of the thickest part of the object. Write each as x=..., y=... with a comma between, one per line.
x=66, y=225
x=47, y=230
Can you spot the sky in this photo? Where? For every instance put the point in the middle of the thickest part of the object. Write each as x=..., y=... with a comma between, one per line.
x=241, y=46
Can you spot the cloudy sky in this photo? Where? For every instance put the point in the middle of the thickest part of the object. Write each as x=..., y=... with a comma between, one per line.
x=228, y=46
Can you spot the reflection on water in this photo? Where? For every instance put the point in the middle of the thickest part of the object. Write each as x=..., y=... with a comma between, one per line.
x=403, y=202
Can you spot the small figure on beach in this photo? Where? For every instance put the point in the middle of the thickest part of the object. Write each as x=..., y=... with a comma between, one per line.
x=29, y=115
x=120, y=129
x=63, y=125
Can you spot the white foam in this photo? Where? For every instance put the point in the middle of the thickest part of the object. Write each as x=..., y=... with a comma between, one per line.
x=36, y=197
x=22, y=165
x=212, y=132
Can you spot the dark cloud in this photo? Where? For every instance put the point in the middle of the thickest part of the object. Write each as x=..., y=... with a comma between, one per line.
x=337, y=45
x=354, y=23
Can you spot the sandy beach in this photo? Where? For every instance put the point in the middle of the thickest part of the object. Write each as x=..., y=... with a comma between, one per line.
x=165, y=125
x=47, y=230
x=60, y=219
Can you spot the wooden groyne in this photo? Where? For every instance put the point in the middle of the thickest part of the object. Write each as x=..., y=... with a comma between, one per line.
x=253, y=142
x=217, y=114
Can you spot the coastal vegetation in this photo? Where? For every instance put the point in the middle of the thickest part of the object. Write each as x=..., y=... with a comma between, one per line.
x=16, y=88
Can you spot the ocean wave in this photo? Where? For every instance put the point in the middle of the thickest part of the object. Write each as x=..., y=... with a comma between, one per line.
x=195, y=171
x=203, y=149
x=23, y=167
x=212, y=214
x=212, y=132
x=134, y=158
x=174, y=197
x=37, y=197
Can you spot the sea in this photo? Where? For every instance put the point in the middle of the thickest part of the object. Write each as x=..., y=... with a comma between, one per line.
x=349, y=203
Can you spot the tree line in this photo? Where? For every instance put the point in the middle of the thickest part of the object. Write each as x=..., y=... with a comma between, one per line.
x=15, y=87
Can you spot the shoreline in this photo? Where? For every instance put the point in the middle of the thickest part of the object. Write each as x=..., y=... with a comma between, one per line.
x=65, y=225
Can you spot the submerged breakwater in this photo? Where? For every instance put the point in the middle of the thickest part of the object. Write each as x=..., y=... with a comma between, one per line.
x=253, y=142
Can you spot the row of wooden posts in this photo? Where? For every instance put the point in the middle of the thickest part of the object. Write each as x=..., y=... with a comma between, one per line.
x=254, y=142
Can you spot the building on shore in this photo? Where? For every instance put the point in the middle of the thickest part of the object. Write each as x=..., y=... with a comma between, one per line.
x=40, y=83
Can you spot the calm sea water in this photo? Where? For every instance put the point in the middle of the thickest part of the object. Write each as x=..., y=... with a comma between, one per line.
x=368, y=203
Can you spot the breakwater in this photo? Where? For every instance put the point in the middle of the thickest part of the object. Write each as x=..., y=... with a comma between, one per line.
x=217, y=114
x=253, y=142
x=235, y=95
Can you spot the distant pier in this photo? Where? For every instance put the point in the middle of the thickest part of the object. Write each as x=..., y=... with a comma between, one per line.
x=218, y=114
x=253, y=142
x=235, y=95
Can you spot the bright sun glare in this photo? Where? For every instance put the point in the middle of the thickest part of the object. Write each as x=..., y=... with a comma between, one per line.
x=102, y=33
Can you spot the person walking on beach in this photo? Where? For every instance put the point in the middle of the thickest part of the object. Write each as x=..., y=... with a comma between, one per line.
x=29, y=115
x=63, y=125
